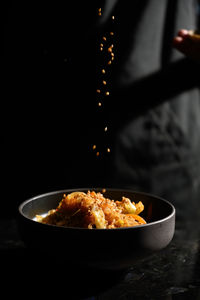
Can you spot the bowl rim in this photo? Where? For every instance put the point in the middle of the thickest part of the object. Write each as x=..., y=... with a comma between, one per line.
x=22, y=205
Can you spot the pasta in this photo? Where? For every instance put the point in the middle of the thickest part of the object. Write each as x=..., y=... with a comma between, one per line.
x=93, y=210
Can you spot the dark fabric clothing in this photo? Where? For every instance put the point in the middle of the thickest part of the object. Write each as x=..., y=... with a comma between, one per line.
x=157, y=95
x=50, y=118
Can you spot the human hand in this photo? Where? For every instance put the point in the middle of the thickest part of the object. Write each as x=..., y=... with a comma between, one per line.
x=188, y=43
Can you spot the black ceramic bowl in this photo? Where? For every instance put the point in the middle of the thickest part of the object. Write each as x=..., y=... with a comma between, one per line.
x=99, y=248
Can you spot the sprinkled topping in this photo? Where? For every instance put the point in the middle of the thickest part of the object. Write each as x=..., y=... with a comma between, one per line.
x=105, y=43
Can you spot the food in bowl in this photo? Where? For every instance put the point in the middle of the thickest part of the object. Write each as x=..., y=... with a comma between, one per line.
x=93, y=210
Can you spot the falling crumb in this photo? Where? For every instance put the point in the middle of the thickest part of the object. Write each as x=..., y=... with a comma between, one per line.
x=105, y=45
x=103, y=191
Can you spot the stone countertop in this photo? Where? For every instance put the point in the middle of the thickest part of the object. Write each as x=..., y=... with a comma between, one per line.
x=173, y=273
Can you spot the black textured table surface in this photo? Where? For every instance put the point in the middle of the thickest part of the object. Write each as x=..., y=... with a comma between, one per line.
x=173, y=273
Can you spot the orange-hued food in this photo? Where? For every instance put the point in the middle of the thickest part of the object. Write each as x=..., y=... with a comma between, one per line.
x=93, y=210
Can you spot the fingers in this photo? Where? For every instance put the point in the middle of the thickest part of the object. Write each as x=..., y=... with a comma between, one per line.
x=188, y=43
x=181, y=36
x=183, y=33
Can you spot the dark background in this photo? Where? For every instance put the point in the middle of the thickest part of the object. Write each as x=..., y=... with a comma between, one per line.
x=49, y=118
x=48, y=89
